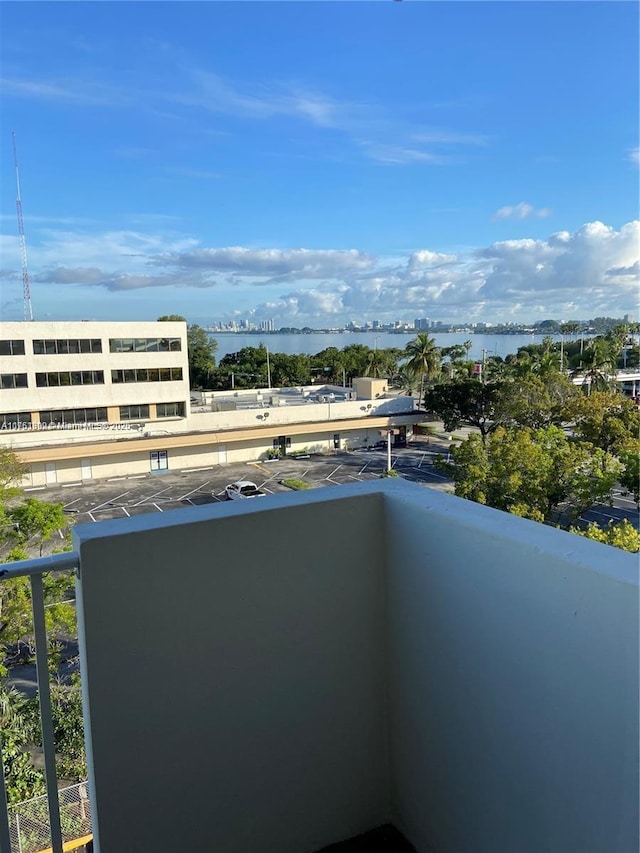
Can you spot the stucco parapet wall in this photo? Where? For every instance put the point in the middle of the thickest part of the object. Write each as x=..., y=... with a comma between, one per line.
x=314, y=413
x=167, y=440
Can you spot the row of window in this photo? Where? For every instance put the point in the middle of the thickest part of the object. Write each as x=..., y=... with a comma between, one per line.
x=55, y=379
x=11, y=347
x=13, y=380
x=66, y=346
x=67, y=377
x=73, y=346
x=22, y=420
x=147, y=374
x=145, y=345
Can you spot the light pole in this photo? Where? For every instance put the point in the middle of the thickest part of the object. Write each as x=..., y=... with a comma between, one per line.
x=388, y=433
x=268, y=370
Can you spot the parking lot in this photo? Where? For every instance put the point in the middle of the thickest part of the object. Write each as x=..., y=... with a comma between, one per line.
x=137, y=495
x=124, y=497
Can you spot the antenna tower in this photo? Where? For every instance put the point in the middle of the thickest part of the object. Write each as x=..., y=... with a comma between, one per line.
x=26, y=286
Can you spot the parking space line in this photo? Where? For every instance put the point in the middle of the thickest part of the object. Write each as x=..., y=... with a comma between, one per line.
x=197, y=489
x=110, y=501
x=625, y=500
x=71, y=503
x=91, y=516
x=148, y=497
x=157, y=507
x=335, y=470
x=261, y=467
x=432, y=474
x=361, y=471
x=126, y=511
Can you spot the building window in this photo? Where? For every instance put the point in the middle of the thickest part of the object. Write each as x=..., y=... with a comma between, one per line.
x=145, y=345
x=15, y=420
x=73, y=377
x=11, y=347
x=132, y=413
x=73, y=416
x=170, y=410
x=147, y=374
x=66, y=346
x=13, y=380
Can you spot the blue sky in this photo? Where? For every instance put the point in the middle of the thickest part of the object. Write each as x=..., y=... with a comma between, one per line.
x=319, y=162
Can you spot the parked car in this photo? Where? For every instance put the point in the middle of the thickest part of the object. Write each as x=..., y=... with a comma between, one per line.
x=243, y=489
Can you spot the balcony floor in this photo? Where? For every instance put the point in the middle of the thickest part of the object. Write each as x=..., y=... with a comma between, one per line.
x=384, y=839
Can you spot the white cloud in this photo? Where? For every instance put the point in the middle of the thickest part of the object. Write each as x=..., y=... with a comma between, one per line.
x=398, y=155
x=80, y=92
x=593, y=270
x=270, y=265
x=634, y=156
x=522, y=210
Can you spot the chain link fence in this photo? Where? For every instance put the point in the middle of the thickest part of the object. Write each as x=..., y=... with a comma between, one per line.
x=29, y=821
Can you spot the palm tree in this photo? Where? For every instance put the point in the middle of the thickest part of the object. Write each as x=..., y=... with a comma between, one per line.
x=423, y=359
x=406, y=380
x=598, y=365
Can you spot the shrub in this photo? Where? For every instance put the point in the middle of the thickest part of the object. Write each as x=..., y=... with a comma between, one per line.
x=295, y=484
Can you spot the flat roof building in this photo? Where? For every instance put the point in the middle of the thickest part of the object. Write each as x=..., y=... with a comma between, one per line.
x=77, y=373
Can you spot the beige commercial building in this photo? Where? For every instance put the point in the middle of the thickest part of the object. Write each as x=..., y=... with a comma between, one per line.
x=79, y=373
x=89, y=401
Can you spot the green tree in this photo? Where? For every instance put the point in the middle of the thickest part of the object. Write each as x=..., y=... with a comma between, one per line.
x=536, y=402
x=423, y=359
x=597, y=365
x=607, y=419
x=201, y=350
x=328, y=365
x=620, y=534
x=629, y=456
x=12, y=472
x=21, y=737
x=407, y=381
x=288, y=370
x=34, y=518
x=22, y=779
x=356, y=359
x=470, y=402
x=531, y=472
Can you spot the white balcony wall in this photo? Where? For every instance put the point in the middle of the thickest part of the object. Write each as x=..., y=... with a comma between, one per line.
x=236, y=701
x=513, y=661
x=277, y=675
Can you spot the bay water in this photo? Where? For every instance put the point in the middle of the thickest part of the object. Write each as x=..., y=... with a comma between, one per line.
x=310, y=344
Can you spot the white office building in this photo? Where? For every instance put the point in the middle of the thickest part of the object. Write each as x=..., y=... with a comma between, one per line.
x=78, y=373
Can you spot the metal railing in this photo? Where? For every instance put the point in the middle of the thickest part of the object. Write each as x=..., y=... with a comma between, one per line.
x=34, y=569
x=29, y=826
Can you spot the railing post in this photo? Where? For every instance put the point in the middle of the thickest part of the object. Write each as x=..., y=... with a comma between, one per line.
x=46, y=719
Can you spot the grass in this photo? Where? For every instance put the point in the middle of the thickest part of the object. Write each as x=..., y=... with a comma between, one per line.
x=295, y=484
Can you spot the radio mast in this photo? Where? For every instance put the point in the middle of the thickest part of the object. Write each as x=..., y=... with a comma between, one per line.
x=26, y=287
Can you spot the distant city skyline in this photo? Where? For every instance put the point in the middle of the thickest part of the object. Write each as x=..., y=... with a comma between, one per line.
x=303, y=164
